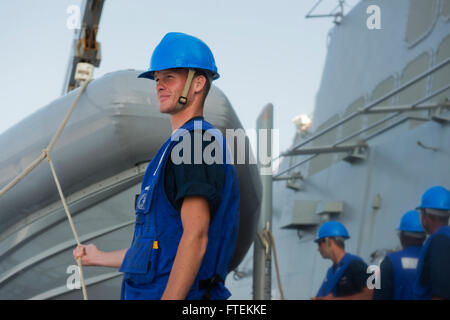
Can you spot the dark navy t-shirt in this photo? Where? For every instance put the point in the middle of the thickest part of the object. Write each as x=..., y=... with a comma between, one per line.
x=190, y=179
x=386, y=290
x=436, y=267
x=353, y=280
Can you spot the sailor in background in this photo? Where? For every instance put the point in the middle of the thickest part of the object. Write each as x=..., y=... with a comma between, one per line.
x=398, y=269
x=346, y=279
x=433, y=269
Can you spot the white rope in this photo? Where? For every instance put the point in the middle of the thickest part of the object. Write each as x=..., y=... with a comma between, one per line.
x=49, y=148
x=46, y=154
x=72, y=226
x=267, y=241
x=268, y=235
x=23, y=174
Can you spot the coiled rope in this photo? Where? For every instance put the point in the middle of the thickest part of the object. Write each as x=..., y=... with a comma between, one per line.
x=46, y=154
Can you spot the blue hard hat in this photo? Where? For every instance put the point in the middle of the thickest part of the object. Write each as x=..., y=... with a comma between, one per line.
x=436, y=197
x=410, y=222
x=332, y=229
x=180, y=50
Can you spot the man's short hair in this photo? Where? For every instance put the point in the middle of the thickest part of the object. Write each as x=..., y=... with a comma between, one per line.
x=408, y=239
x=417, y=235
x=339, y=242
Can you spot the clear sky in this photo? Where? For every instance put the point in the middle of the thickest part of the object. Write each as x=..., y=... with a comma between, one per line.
x=265, y=50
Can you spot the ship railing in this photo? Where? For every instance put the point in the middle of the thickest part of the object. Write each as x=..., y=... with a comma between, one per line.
x=370, y=108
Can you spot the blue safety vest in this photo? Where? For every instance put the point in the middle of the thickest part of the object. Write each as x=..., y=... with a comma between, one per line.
x=421, y=292
x=158, y=230
x=334, y=274
x=404, y=263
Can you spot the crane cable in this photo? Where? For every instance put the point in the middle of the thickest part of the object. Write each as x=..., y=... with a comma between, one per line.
x=46, y=154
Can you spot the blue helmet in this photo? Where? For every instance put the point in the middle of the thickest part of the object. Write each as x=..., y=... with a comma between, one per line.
x=180, y=50
x=332, y=229
x=410, y=222
x=436, y=197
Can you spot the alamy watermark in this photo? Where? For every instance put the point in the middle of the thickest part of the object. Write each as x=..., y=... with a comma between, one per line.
x=373, y=22
x=374, y=280
x=74, y=280
x=237, y=150
x=74, y=19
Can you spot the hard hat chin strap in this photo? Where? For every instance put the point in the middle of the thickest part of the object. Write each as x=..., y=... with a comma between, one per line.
x=327, y=244
x=182, y=100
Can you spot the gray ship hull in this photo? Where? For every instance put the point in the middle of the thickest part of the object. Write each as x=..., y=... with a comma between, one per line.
x=367, y=190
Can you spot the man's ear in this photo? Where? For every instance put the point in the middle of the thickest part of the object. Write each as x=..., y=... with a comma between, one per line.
x=199, y=83
x=331, y=242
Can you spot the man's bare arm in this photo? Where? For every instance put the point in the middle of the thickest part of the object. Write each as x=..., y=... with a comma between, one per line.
x=91, y=256
x=195, y=218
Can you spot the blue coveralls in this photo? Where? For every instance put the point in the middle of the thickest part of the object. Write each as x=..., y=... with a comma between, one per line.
x=421, y=292
x=333, y=275
x=404, y=264
x=158, y=230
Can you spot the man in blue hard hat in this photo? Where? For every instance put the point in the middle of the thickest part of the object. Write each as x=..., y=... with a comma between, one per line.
x=398, y=270
x=346, y=279
x=187, y=213
x=433, y=278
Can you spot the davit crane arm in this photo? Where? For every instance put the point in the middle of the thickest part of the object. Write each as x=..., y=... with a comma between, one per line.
x=85, y=53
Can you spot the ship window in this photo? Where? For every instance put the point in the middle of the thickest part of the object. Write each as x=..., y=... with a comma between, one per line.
x=421, y=18
x=441, y=78
x=417, y=90
x=303, y=214
x=445, y=9
x=353, y=125
x=323, y=161
x=307, y=213
x=383, y=88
